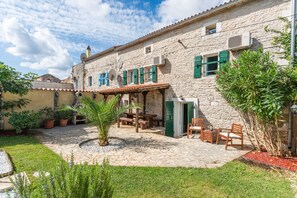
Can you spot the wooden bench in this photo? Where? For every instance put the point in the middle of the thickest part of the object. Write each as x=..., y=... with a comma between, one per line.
x=143, y=124
x=126, y=121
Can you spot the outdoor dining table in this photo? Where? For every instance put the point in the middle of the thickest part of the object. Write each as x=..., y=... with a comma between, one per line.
x=147, y=117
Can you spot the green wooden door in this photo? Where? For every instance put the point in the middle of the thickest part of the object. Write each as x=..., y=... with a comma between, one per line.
x=190, y=111
x=169, y=119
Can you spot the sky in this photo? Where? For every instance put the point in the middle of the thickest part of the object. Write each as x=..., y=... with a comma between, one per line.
x=46, y=36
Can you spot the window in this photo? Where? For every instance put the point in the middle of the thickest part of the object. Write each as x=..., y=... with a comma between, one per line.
x=211, y=65
x=211, y=29
x=148, y=49
x=148, y=75
x=103, y=79
x=130, y=77
x=90, y=81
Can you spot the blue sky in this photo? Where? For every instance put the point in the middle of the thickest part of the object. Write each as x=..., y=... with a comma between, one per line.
x=45, y=36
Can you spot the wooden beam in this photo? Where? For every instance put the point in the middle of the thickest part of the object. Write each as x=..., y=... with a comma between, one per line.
x=162, y=91
x=137, y=114
x=144, y=101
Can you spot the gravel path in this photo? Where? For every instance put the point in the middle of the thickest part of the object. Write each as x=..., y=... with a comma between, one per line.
x=146, y=148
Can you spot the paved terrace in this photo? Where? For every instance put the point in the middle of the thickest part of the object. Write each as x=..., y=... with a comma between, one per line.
x=146, y=148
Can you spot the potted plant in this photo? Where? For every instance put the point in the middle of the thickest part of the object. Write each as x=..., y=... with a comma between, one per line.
x=49, y=121
x=64, y=115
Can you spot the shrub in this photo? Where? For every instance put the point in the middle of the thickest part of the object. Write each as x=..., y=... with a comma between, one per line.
x=65, y=181
x=48, y=112
x=63, y=113
x=24, y=120
x=256, y=86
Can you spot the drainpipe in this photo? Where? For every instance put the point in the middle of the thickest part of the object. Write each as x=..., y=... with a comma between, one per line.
x=1, y=110
x=293, y=40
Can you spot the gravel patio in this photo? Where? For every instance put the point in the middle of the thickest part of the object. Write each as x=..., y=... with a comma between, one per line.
x=128, y=148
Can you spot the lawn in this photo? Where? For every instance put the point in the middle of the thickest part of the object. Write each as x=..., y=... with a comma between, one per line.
x=235, y=179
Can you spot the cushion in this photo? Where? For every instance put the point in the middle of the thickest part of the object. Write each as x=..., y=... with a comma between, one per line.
x=231, y=135
x=195, y=128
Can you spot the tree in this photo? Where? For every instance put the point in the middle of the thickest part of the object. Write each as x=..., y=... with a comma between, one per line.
x=256, y=86
x=15, y=83
x=102, y=114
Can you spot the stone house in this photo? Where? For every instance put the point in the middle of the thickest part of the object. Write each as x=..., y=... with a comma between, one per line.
x=171, y=71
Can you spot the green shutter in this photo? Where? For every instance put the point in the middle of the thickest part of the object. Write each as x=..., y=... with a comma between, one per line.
x=190, y=111
x=141, y=71
x=197, y=67
x=169, y=119
x=154, y=73
x=135, y=76
x=223, y=58
x=124, y=77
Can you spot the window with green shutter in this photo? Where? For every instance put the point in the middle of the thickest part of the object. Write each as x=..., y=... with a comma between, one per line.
x=223, y=58
x=124, y=77
x=135, y=76
x=148, y=74
x=211, y=64
x=197, y=67
x=141, y=73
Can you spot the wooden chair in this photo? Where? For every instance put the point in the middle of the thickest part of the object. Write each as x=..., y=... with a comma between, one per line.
x=197, y=124
x=229, y=134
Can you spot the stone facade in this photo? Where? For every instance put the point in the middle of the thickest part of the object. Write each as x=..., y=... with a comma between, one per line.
x=180, y=45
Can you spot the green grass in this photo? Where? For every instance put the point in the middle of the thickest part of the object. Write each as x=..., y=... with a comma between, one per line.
x=235, y=179
x=28, y=154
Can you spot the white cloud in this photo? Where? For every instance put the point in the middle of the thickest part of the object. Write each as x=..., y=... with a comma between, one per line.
x=38, y=47
x=171, y=11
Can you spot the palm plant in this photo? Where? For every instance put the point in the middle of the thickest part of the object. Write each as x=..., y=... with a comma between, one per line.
x=102, y=114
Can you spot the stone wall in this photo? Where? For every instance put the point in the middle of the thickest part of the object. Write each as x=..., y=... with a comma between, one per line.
x=181, y=45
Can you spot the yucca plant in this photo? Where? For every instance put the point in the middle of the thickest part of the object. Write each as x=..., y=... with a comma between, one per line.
x=102, y=114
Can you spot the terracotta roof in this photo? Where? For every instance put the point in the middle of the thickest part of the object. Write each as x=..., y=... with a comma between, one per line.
x=135, y=88
x=52, y=86
x=60, y=89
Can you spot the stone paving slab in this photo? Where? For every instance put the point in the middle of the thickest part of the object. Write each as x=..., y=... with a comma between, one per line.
x=146, y=148
x=7, y=185
x=5, y=164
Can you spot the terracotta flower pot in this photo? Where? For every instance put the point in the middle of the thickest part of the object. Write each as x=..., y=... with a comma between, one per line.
x=63, y=122
x=48, y=124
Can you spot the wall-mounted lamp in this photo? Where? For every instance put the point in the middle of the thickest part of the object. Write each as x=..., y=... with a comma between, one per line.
x=294, y=109
x=181, y=97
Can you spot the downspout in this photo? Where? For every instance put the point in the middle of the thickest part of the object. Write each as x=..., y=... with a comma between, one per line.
x=1, y=110
x=293, y=40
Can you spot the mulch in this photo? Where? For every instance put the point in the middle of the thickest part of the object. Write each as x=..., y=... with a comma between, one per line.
x=263, y=158
x=11, y=133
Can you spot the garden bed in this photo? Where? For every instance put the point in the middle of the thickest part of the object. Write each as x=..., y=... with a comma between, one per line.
x=265, y=160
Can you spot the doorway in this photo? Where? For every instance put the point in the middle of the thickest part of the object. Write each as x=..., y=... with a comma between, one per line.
x=179, y=112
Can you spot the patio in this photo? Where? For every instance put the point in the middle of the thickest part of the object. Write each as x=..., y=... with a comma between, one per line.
x=146, y=148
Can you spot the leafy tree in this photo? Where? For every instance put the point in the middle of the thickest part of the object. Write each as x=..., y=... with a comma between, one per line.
x=15, y=83
x=102, y=114
x=256, y=86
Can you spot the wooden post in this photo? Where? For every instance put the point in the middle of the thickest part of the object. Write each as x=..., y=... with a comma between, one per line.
x=144, y=101
x=162, y=91
x=130, y=110
x=137, y=113
x=294, y=134
x=119, y=104
x=105, y=97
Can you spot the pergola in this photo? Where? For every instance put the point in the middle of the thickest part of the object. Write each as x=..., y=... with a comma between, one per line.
x=136, y=90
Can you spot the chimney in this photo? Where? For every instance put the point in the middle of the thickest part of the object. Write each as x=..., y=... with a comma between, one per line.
x=88, y=51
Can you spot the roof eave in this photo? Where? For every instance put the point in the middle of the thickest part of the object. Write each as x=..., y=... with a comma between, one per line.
x=180, y=24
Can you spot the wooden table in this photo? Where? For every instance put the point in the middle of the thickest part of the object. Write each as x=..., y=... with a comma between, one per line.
x=147, y=117
x=209, y=135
